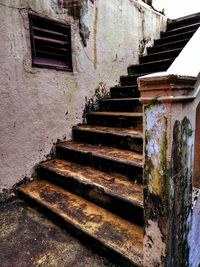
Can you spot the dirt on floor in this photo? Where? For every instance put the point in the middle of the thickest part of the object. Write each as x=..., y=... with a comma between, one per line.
x=29, y=239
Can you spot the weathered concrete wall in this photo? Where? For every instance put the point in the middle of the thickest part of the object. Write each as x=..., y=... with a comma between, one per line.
x=169, y=125
x=38, y=106
x=194, y=238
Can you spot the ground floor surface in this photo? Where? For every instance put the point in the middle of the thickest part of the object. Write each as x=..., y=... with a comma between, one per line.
x=27, y=239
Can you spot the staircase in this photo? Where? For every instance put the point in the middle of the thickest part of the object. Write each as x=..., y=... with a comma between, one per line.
x=95, y=183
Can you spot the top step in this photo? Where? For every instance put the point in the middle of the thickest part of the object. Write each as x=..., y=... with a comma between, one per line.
x=183, y=21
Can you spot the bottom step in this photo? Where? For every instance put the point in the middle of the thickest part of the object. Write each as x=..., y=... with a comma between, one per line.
x=113, y=232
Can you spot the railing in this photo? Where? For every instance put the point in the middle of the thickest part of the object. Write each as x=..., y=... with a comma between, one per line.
x=172, y=158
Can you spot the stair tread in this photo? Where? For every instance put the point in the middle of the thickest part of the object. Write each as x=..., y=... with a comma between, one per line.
x=154, y=62
x=115, y=185
x=128, y=132
x=110, y=153
x=109, y=229
x=124, y=86
x=171, y=43
x=119, y=99
x=116, y=114
x=163, y=52
x=134, y=76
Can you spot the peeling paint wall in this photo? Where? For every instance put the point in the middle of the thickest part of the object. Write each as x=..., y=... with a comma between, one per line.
x=39, y=106
x=171, y=214
x=194, y=237
x=168, y=195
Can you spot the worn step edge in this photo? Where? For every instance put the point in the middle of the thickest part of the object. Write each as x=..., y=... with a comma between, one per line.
x=158, y=47
x=109, y=99
x=171, y=43
x=124, y=87
x=116, y=186
x=161, y=53
x=115, y=114
x=122, y=132
x=132, y=76
x=125, y=238
x=152, y=63
x=107, y=153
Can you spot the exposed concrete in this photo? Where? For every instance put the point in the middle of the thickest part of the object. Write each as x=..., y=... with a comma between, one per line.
x=194, y=238
x=169, y=127
x=29, y=239
x=38, y=106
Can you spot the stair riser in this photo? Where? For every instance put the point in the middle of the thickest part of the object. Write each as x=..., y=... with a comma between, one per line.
x=118, y=92
x=162, y=56
x=178, y=31
x=128, y=80
x=122, y=142
x=102, y=164
x=97, y=247
x=96, y=195
x=162, y=48
x=154, y=67
x=174, y=38
x=114, y=121
x=134, y=106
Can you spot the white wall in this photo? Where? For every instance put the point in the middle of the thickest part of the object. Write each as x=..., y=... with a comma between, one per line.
x=38, y=106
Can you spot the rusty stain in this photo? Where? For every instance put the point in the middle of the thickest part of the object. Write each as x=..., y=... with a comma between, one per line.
x=112, y=231
x=27, y=238
x=95, y=37
x=108, y=232
x=125, y=156
x=117, y=185
x=127, y=132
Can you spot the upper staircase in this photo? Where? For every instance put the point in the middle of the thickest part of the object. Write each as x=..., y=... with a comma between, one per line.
x=95, y=183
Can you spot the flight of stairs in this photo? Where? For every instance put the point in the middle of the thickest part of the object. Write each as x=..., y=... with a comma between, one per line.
x=95, y=182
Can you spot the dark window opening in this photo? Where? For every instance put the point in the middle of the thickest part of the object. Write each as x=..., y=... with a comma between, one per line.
x=50, y=43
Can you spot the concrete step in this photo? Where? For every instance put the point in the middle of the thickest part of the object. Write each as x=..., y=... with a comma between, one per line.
x=131, y=80
x=122, y=138
x=120, y=104
x=155, y=66
x=115, y=119
x=160, y=55
x=112, y=192
x=174, y=38
x=111, y=231
x=183, y=21
x=183, y=29
x=107, y=159
x=124, y=91
x=167, y=46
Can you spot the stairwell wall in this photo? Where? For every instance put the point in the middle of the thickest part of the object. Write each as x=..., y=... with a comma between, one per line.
x=39, y=106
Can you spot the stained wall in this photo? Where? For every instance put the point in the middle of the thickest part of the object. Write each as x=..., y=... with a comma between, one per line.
x=39, y=106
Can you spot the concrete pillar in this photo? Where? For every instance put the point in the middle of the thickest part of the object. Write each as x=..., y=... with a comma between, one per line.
x=168, y=169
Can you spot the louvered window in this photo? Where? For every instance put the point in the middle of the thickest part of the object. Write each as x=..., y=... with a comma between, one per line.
x=51, y=44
